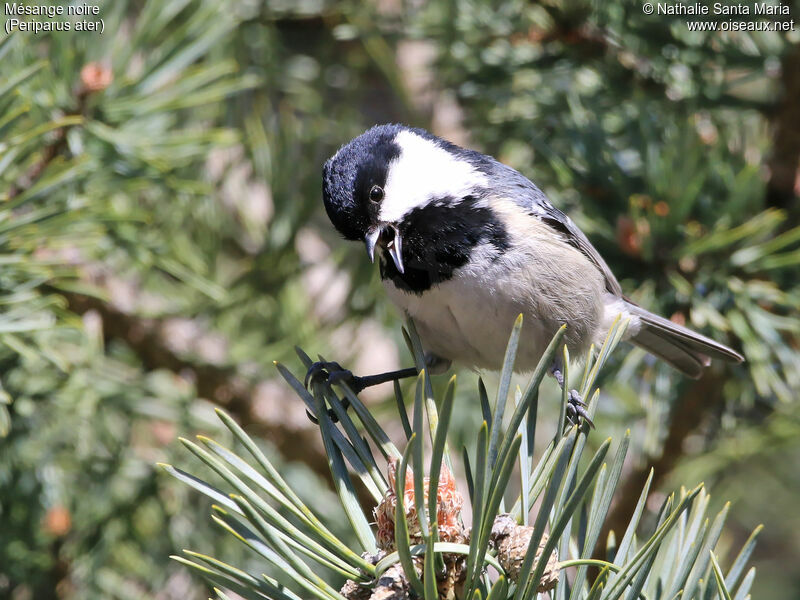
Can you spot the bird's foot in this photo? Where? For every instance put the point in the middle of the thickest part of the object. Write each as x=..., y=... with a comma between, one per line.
x=576, y=409
x=329, y=373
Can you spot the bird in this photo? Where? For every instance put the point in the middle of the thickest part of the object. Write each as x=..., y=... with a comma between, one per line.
x=465, y=244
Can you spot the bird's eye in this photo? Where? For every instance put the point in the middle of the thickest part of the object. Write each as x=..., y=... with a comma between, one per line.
x=376, y=193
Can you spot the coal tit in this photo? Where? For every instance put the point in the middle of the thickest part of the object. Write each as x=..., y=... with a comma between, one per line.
x=466, y=243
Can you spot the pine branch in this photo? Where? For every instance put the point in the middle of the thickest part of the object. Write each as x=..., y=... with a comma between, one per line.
x=222, y=385
x=49, y=153
x=407, y=551
x=94, y=78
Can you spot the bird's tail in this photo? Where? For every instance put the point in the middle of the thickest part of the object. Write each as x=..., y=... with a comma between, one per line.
x=684, y=349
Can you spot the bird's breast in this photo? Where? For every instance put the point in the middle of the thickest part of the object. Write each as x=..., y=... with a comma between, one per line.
x=442, y=237
x=468, y=316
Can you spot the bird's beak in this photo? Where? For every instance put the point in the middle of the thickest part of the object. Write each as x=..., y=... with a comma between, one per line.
x=387, y=236
x=371, y=240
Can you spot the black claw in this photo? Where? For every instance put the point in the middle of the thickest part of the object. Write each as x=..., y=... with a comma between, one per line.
x=575, y=398
x=576, y=409
x=341, y=375
x=328, y=373
x=331, y=414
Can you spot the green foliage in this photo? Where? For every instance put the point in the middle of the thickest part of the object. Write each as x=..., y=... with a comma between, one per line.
x=86, y=174
x=572, y=498
x=147, y=238
x=161, y=238
x=661, y=144
x=631, y=119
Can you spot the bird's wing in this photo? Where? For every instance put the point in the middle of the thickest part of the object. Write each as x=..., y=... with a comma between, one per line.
x=525, y=194
x=575, y=237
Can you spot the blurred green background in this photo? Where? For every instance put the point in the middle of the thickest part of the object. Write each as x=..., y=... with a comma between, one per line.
x=162, y=241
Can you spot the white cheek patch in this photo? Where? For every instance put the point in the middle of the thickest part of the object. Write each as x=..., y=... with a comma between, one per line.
x=424, y=172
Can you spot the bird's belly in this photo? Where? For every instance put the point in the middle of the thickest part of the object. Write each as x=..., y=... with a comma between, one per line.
x=469, y=318
x=458, y=323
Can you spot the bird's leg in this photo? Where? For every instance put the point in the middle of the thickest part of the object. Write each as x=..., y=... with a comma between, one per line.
x=576, y=407
x=332, y=372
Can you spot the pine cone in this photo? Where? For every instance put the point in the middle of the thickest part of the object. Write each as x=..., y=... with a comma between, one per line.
x=448, y=509
x=449, y=503
x=511, y=541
